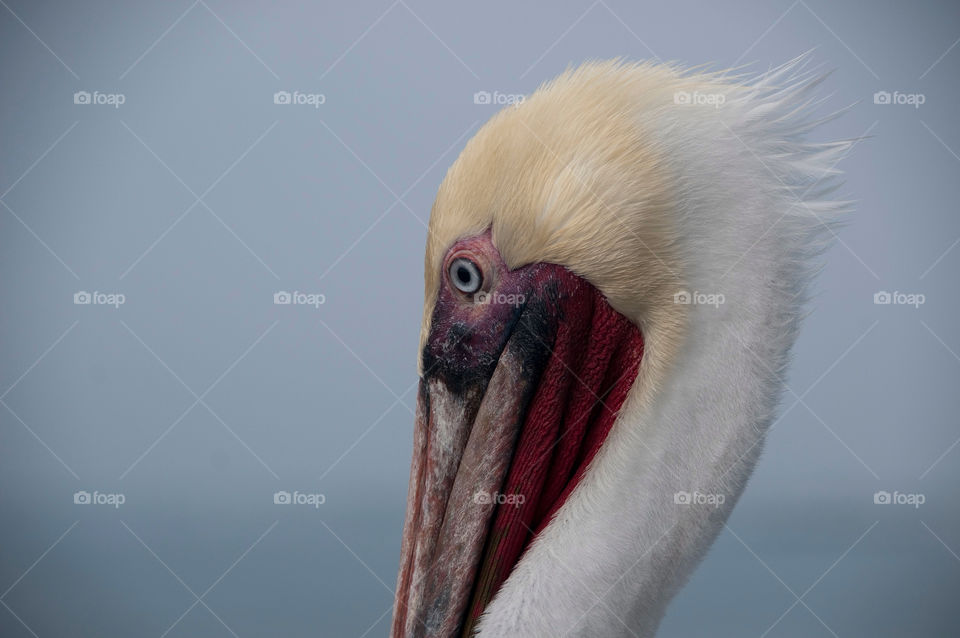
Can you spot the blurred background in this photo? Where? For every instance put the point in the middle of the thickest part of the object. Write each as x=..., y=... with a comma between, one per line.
x=167, y=168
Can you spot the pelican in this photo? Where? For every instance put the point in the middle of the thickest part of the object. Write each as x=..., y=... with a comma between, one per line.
x=615, y=273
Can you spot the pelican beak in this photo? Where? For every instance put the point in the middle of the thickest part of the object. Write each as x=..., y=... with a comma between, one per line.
x=509, y=413
x=466, y=444
x=464, y=438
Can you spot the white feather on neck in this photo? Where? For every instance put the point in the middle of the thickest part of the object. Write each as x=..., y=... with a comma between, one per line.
x=751, y=215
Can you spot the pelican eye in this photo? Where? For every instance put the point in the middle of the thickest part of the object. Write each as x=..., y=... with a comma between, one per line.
x=465, y=275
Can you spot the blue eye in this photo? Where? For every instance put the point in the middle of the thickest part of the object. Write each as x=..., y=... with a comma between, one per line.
x=465, y=275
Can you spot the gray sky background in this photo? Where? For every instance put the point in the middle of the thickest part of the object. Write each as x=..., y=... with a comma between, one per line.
x=198, y=398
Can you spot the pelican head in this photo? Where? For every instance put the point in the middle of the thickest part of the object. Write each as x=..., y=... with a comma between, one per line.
x=614, y=276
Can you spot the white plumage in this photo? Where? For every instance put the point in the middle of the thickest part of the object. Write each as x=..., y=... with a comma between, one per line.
x=649, y=182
